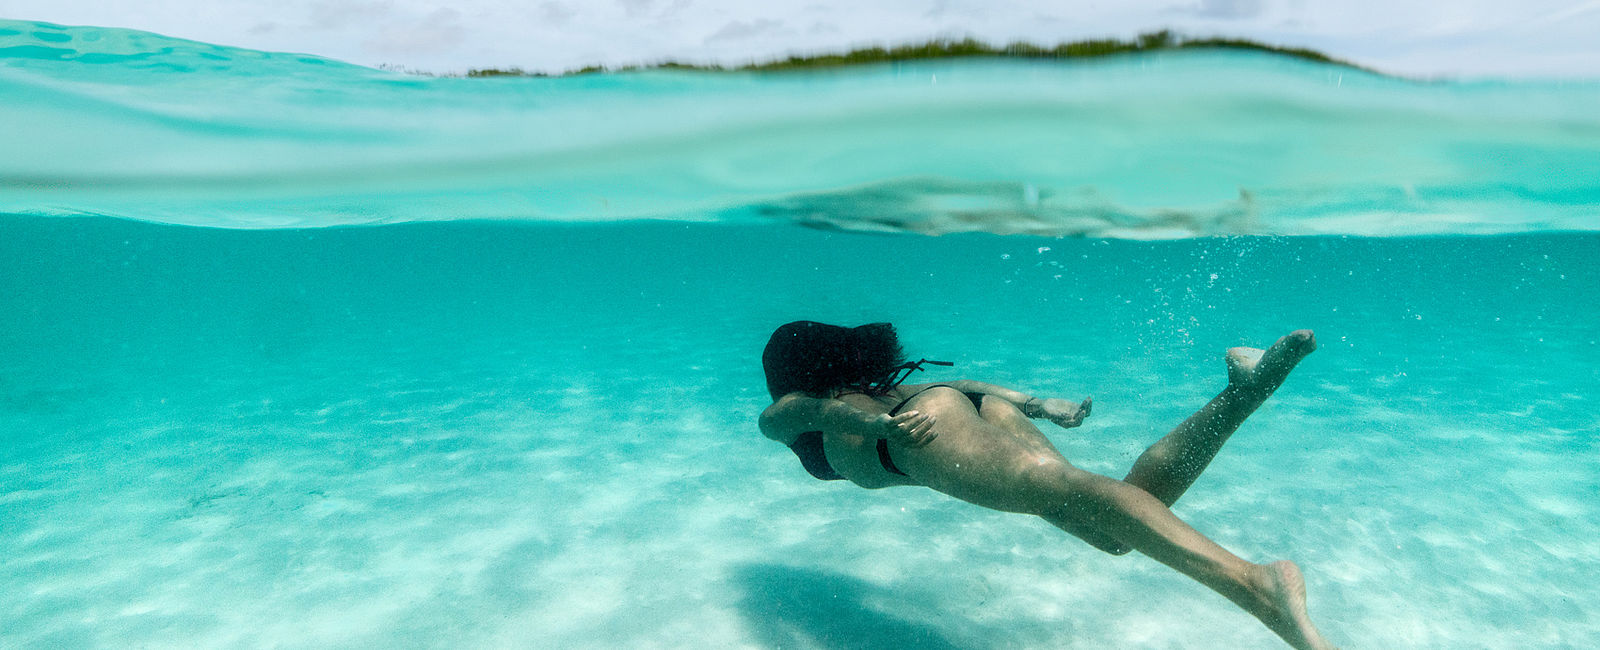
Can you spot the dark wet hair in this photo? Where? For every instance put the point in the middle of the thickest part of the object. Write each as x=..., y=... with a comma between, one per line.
x=817, y=358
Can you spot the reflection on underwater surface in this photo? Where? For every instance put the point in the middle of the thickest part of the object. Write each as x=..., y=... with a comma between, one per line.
x=137, y=125
x=494, y=433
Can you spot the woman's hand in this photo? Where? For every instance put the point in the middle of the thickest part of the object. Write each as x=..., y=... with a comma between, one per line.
x=911, y=428
x=1063, y=412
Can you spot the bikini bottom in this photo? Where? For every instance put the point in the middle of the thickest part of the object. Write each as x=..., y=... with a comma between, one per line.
x=883, y=443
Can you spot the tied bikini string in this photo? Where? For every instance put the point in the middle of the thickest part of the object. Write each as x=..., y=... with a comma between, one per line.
x=903, y=372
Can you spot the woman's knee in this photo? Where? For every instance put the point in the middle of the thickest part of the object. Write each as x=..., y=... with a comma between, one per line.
x=1076, y=501
x=1066, y=491
x=1103, y=543
x=1085, y=531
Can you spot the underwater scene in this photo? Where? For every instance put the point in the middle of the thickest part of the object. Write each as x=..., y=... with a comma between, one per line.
x=296, y=353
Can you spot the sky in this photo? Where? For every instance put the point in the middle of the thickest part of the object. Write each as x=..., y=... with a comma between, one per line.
x=1439, y=38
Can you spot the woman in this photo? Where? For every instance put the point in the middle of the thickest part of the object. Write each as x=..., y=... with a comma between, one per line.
x=839, y=405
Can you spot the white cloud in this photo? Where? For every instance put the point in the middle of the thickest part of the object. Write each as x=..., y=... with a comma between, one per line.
x=739, y=29
x=437, y=33
x=822, y=28
x=635, y=7
x=555, y=13
x=340, y=14
x=1229, y=9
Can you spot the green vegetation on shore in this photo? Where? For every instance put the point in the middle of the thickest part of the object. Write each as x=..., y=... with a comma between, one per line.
x=1163, y=40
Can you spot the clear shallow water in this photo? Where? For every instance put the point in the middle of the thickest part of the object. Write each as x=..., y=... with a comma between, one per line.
x=544, y=434
x=466, y=433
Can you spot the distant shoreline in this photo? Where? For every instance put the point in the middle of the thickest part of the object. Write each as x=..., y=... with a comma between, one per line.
x=1161, y=41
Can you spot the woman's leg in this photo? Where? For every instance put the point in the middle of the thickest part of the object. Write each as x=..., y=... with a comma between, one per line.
x=1273, y=593
x=1005, y=415
x=1170, y=466
x=1018, y=470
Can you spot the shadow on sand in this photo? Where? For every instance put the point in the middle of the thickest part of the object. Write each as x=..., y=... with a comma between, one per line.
x=792, y=607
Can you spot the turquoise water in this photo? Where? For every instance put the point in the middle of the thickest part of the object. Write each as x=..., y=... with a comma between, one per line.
x=527, y=418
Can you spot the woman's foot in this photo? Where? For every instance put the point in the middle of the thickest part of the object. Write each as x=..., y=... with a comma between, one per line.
x=1262, y=371
x=1282, y=592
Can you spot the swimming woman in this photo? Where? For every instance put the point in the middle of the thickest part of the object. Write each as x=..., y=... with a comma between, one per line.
x=839, y=404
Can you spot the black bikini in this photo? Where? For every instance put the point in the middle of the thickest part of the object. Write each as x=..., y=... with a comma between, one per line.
x=977, y=398
x=810, y=450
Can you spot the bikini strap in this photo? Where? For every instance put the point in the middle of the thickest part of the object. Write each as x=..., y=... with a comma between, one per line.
x=903, y=372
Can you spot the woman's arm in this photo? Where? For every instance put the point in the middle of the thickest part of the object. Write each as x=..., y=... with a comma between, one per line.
x=796, y=413
x=1066, y=413
x=1017, y=398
